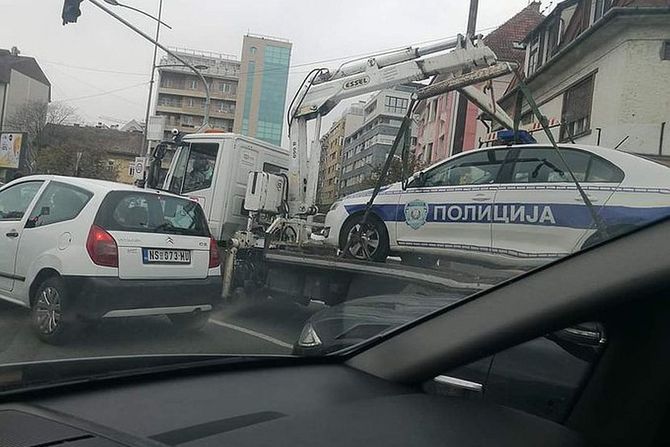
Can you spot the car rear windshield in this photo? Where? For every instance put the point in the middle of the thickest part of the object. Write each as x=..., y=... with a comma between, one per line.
x=151, y=213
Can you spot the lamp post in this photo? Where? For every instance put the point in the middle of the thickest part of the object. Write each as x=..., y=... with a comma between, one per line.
x=162, y=47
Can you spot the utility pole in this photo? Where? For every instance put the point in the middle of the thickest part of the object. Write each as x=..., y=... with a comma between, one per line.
x=462, y=106
x=153, y=79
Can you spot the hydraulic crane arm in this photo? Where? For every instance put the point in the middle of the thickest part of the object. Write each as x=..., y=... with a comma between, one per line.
x=320, y=96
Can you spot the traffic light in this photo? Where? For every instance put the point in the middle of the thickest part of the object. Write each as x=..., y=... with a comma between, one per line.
x=71, y=11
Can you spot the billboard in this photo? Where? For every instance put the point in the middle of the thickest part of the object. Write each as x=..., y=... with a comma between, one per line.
x=10, y=149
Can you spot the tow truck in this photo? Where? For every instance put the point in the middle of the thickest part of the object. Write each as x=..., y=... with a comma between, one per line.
x=277, y=253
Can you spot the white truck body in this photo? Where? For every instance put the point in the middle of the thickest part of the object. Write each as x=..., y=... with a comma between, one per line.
x=220, y=186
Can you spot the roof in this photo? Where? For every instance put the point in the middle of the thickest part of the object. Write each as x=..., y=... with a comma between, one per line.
x=25, y=65
x=94, y=185
x=502, y=39
x=93, y=138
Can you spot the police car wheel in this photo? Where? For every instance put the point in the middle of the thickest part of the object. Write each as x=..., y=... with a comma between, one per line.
x=368, y=241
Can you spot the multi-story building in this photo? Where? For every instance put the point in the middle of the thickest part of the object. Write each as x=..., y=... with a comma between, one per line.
x=262, y=87
x=437, y=124
x=601, y=68
x=368, y=146
x=22, y=82
x=181, y=94
x=331, y=153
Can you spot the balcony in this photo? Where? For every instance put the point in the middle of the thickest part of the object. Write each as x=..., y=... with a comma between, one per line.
x=198, y=93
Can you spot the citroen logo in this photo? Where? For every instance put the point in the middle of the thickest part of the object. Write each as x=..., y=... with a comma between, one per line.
x=169, y=240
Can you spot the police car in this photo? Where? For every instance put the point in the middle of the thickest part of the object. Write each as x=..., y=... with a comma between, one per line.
x=515, y=201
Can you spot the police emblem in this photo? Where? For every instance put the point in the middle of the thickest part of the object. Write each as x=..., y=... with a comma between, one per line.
x=416, y=213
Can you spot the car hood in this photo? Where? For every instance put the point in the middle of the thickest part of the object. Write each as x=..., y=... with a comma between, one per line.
x=368, y=192
x=354, y=321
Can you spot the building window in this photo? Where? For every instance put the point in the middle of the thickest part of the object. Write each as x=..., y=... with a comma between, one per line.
x=225, y=87
x=429, y=152
x=665, y=51
x=534, y=55
x=193, y=84
x=576, y=115
x=371, y=108
x=190, y=102
x=396, y=105
x=253, y=50
x=601, y=7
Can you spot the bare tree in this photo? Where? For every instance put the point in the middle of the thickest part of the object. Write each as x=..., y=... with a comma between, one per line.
x=32, y=118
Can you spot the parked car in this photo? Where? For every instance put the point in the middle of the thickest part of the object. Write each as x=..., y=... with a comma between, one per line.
x=78, y=249
x=559, y=360
x=517, y=202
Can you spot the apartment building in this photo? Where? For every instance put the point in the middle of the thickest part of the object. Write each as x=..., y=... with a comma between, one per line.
x=181, y=94
x=367, y=148
x=261, y=95
x=332, y=143
x=601, y=69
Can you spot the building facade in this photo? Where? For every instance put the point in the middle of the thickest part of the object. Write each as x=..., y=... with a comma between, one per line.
x=331, y=154
x=181, y=94
x=261, y=95
x=436, y=130
x=22, y=82
x=368, y=146
x=602, y=68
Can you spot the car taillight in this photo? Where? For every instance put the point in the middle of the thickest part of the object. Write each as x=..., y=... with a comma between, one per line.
x=102, y=248
x=214, y=258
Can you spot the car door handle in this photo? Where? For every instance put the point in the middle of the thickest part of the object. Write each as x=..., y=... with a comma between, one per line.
x=481, y=199
x=454, y=382
x=12, y=234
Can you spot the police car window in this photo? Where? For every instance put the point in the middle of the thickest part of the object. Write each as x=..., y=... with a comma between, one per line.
x=544, y=165
x=58, y=203
x=200, y=166
x=603, y=171
x=479, y=168
x=14, y=201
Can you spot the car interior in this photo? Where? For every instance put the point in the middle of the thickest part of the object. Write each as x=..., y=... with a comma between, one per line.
x=382, y=394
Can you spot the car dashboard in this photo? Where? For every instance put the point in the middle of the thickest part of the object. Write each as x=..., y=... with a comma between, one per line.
x=322, y=405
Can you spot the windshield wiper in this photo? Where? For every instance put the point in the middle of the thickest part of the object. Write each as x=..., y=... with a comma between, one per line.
x=167, y=226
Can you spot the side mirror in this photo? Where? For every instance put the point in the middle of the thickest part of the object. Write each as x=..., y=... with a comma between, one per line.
x=32, y=222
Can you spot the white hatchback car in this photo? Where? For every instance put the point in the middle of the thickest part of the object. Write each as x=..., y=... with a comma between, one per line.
x=75, y=249
x=516, y=201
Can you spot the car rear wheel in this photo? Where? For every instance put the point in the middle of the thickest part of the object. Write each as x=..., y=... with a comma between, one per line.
x=50, y=320
x=365, y=241
x=190, y=322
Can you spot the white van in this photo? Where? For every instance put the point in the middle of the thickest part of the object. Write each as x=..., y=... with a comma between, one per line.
x=213, y=168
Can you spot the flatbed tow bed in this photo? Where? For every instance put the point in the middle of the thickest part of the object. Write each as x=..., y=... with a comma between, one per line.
x=304, y=276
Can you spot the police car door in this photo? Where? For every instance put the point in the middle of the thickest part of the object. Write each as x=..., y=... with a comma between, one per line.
x=539, y=213
x=450, y=206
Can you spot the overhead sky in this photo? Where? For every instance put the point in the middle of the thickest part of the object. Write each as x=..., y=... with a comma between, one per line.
x=103, y=69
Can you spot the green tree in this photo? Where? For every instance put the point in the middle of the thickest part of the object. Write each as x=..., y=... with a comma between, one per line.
x=78, y=163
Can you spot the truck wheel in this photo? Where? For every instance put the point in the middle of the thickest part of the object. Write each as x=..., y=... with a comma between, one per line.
x=50, y=318
x=190, y=322
x=369, y=241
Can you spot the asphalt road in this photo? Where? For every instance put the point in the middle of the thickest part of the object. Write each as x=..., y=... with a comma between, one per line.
x=249, y=328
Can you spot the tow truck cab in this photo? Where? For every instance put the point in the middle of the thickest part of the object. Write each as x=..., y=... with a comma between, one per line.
x=213, y=168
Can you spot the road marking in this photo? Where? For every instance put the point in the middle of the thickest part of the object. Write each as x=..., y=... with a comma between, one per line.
x=244, y=330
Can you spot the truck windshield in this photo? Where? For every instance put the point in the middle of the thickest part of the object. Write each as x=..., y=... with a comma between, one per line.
x=194, y=168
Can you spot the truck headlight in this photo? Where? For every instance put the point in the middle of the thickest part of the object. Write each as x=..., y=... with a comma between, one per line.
x=308, y=337
x=335, y=205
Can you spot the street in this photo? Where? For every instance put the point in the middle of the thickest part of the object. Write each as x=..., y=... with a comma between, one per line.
x=256, y=328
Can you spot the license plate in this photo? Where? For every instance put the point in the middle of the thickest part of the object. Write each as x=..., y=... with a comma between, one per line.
x=159, y=256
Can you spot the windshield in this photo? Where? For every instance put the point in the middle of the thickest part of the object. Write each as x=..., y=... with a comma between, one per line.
x=382, y=166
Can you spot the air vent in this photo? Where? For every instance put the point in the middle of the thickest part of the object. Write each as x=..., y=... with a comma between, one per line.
x=18, y=429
